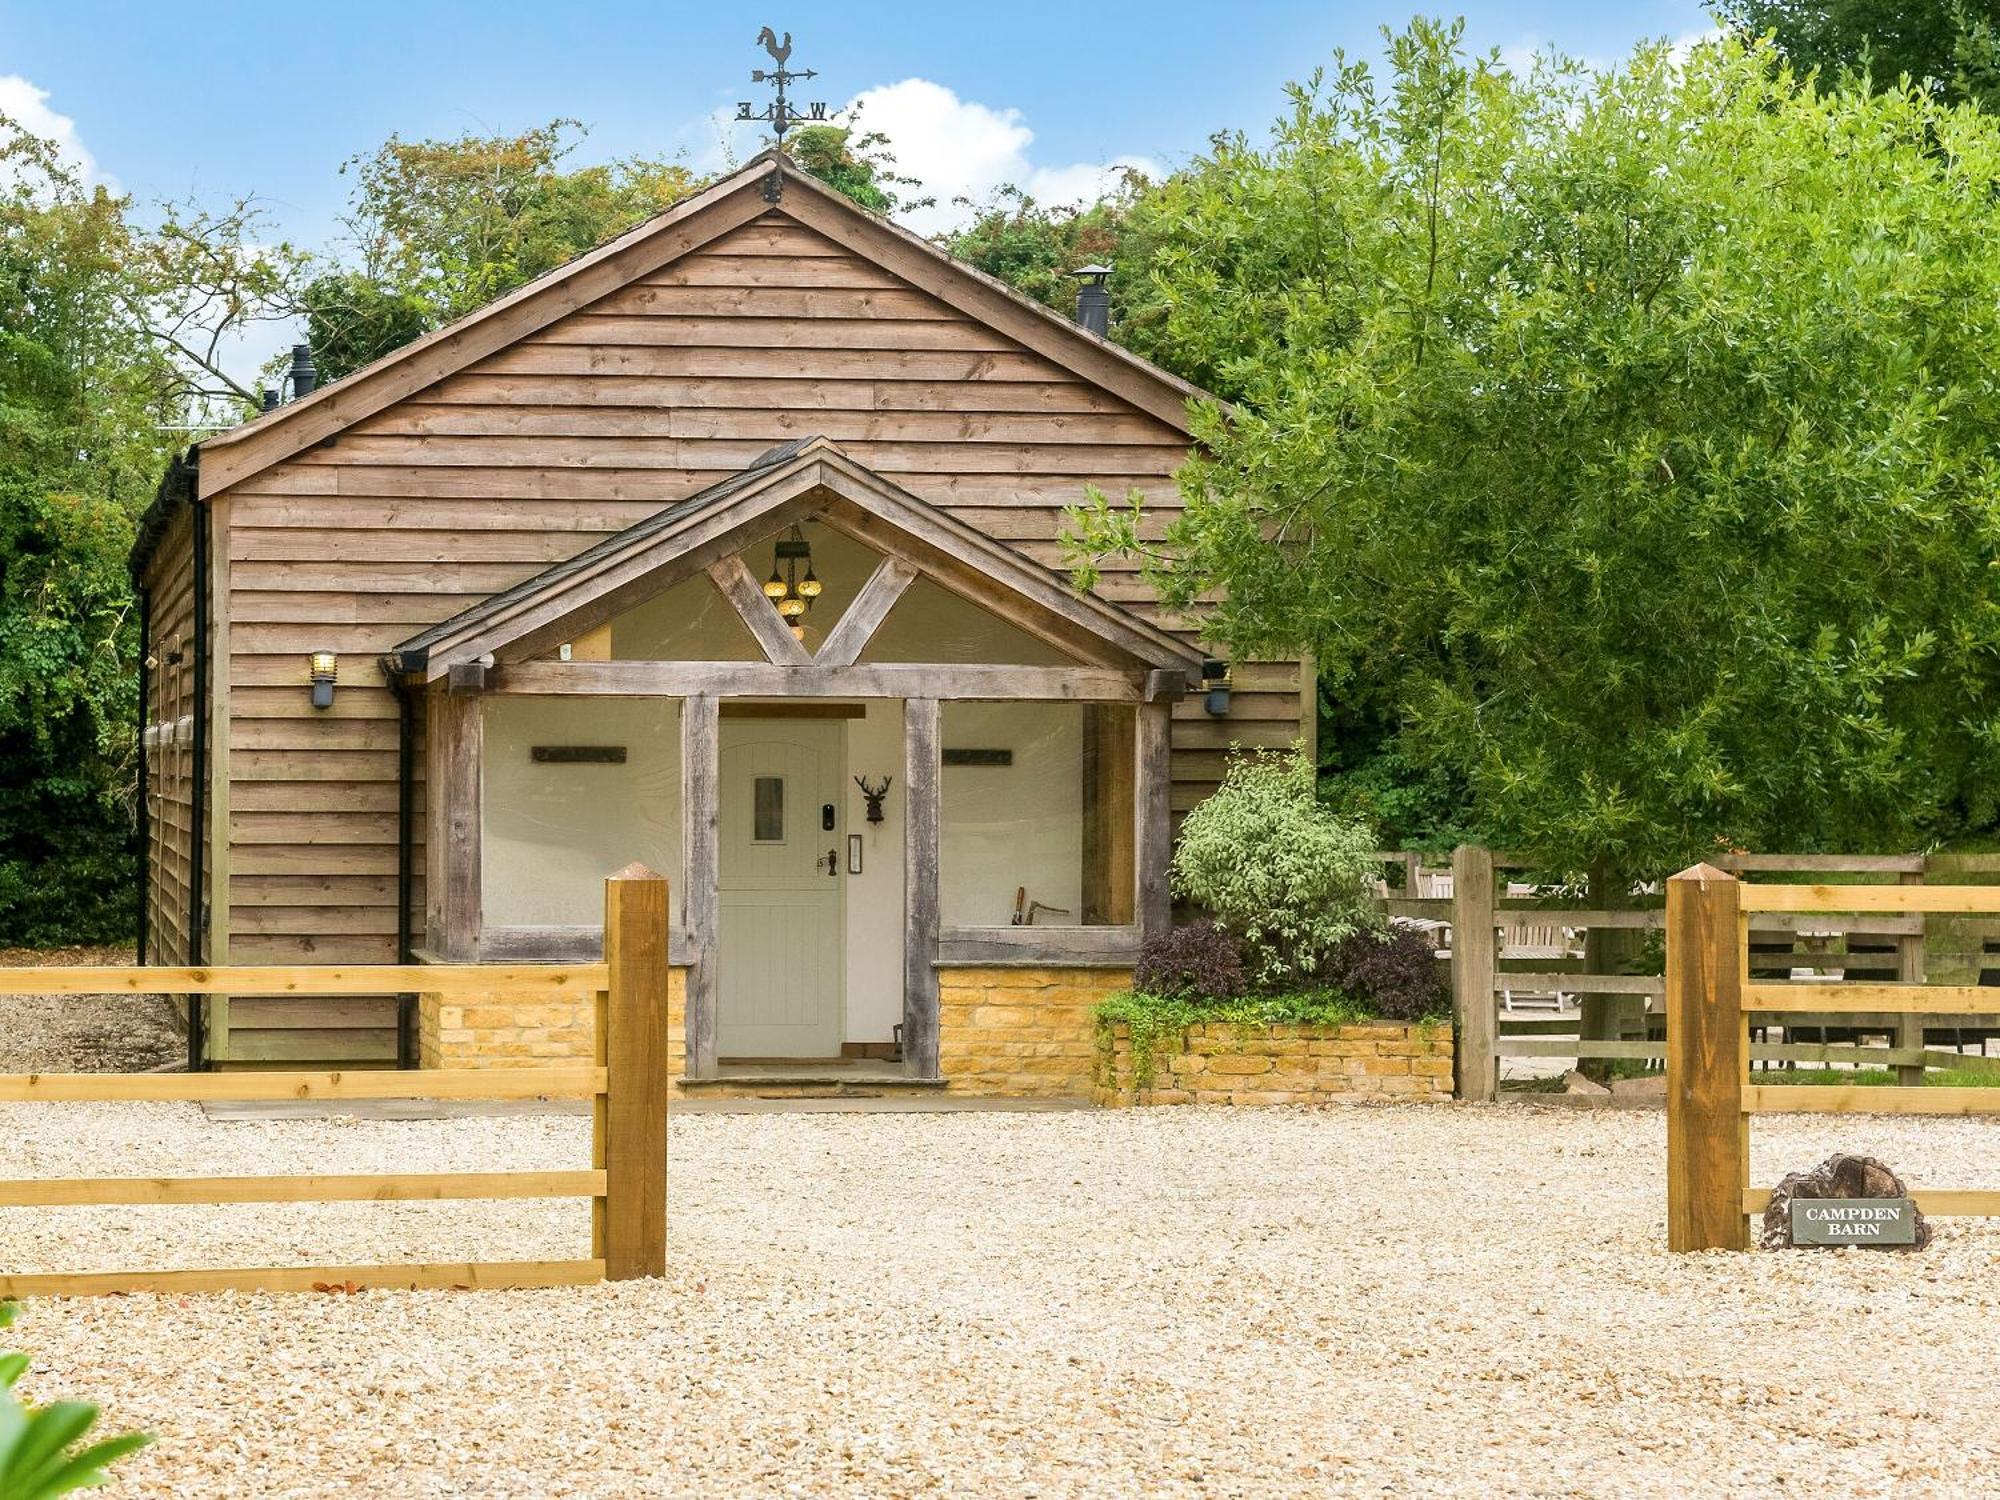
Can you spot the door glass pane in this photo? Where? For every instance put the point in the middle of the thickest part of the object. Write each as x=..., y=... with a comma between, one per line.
x=767, y=819
x=1036, y=815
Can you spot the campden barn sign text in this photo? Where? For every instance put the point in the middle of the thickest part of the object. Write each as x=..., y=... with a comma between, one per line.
x=1845, y=1200
x=1853, y=1221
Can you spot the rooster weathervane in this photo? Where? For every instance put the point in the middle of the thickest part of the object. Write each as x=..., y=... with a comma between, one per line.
x=778, y=114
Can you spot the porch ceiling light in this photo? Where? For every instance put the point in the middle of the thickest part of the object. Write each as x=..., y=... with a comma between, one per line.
x=322, y=667
x=792, y=594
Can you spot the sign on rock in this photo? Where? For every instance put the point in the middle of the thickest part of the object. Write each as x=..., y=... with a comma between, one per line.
x=1854, y=1221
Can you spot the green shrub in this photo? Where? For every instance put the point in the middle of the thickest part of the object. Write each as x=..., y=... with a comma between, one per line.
x=1285, y=874
x=36, y=1462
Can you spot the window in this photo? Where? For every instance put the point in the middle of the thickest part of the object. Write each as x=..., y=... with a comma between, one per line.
x=767, y=811
x=1036, y=814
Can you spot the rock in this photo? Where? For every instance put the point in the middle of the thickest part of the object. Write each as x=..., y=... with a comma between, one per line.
x=1839, y=1176
x=1576, y=1083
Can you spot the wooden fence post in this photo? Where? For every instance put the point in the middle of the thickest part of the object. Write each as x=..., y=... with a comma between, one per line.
x=1910, y=970
x=1474, y=1020
x=1708, y=1137
x=629, y=1136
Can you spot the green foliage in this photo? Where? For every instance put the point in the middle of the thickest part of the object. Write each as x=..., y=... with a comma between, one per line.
x=84, y=386
x=442, y=227
x=1036, y=249
x=1158, y=1023
x=38, y=1459
x=1286, y=875
x=1653, y=498
x=855, y=162
x=1951, y=44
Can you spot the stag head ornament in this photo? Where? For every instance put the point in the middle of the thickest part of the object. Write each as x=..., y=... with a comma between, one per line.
x=874, y=796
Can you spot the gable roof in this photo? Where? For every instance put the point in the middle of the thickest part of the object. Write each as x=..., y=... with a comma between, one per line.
x=767, y=183
x=806, y=474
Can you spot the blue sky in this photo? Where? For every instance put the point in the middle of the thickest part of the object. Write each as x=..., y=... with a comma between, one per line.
x=219, y=98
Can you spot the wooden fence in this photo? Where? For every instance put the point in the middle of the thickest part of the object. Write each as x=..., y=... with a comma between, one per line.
x=1710, y=999
x=1622, y=1013
x=626, y=1181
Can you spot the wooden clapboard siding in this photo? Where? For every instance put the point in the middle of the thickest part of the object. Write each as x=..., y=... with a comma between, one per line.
x=770, y=332
x=169, y=853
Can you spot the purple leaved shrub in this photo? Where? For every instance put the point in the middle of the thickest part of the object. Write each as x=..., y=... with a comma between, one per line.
x=1395, y=973
x=1198, y=962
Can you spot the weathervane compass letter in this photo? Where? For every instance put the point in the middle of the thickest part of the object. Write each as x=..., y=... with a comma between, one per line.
x=778, y=114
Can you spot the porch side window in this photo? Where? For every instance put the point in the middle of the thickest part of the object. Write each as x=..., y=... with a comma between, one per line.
x=1036, y=815
x=575, y=788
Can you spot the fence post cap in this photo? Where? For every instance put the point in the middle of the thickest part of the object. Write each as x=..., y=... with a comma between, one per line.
x=1703, y=874
x=635, y=871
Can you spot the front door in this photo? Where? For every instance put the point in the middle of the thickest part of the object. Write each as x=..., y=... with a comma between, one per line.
x=781, y=964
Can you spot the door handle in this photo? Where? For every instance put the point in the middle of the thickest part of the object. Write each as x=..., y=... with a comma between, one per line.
x=833, y=864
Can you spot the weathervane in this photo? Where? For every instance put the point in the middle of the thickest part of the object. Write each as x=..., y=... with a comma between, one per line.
x=778, y=113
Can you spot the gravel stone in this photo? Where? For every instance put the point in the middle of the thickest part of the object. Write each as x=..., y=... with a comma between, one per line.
x=1435, y=1300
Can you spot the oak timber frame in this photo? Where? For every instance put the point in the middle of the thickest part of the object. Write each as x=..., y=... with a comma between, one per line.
x=503, y=646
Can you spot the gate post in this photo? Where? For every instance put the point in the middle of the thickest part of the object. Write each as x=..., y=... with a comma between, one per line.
x=629, y=1123
x=1474, y=1019
x=1708, y=1047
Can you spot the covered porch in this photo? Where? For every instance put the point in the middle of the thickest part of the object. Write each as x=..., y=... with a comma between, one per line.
x=892, y=767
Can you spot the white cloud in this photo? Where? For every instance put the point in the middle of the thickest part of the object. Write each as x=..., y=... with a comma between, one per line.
x=956, y=148
x=960, y=148
x=28, y=106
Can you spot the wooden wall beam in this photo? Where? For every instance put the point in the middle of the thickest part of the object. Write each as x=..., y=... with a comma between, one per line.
x=732, y=575
x=701, y=874
x=852, y=632
x=922, y=778
x=727, y=679
x=1153, y=831
x=454, y=754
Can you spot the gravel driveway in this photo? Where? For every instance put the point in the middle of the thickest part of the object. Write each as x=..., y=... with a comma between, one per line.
x=1441, y=1300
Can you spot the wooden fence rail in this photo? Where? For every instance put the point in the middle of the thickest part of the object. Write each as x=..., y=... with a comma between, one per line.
x=626, y=1182
x=1710, y=998
x=1881, y=941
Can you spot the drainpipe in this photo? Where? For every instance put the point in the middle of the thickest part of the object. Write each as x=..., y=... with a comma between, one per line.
x=406, y=765
x=145, y=601
x=197, y=1059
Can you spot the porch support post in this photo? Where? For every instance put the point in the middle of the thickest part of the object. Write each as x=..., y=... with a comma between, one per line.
x=920, y=886
x=454, y=751
x=1152, y=811
x=701, y=891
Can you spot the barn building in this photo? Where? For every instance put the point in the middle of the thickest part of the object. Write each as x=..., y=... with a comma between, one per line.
x=732, y=547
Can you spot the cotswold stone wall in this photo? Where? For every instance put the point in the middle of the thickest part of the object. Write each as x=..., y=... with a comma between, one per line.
x=1221, y=1063
x=1021, y=1033
x=523, y=1031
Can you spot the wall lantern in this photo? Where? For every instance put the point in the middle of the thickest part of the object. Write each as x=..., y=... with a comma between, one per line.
x=323, y=667
x=791, y=594
x=1215, y=685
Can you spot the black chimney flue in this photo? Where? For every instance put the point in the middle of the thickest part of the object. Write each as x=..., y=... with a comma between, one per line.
x=270, y=398
x=1093, y=299
x=304, y=376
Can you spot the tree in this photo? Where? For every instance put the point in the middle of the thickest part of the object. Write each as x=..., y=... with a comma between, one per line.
x=856, y=162
x=1036, y=249
x=84, y=390
x=1954, y=44
x=1631, y=440
x=440, y=228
